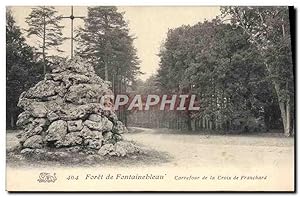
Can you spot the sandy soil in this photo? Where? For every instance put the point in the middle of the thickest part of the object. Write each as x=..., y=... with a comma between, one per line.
x=209, y=150
x=176, y=155
x=217, y=150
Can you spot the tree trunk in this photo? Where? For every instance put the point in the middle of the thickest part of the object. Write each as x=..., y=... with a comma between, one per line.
x=44, y=43
x=288, y=119
x=285, y=112
x=106, y=52
x=210, y=123
x=284, y=108
x=12, y=120
x=189, y=122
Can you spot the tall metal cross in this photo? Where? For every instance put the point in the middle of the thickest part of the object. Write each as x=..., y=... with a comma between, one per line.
x=72, y=17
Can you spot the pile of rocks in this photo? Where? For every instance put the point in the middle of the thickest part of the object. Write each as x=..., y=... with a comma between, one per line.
x=64, y=112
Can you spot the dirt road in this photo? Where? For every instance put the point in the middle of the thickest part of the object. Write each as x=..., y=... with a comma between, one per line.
x=216, y=150
x=189, y=155
x=194, y=150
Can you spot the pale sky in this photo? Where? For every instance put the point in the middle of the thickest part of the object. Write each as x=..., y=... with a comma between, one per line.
x=148, y=24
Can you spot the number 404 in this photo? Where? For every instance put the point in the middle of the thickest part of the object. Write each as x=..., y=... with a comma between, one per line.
x=72, y=177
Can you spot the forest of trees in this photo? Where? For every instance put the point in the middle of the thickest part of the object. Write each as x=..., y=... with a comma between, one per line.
x=240, y=67
x=23, y=69
x=104, y=41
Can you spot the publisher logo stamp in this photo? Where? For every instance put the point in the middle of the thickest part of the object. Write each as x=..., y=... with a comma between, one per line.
x=46, y=177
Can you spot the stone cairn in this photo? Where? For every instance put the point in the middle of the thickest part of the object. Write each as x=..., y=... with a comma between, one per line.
x=63, y=112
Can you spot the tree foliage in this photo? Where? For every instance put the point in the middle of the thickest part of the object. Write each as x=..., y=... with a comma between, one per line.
x=268, y=29
x=44, y=24
x=241, y=71
x=105, y=42
x=22, y=69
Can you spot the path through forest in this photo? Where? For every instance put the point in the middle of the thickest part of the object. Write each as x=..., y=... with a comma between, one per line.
x=218, y=150
x=188, y=155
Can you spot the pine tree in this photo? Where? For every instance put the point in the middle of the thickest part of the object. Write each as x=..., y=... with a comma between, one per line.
x=22, y=69
x=44, y=24
x=105, y=42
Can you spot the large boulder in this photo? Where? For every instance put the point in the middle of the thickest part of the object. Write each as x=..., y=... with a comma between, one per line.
x=84, y=93
x=52, y=116
x=95, y=117
x=94, y=125
x=56, y=132
x=72, y=139
x=42, y=89
x=93, y=143
x=37, y=109
x=75, y=125
x=106, y=149
x=87, y=133
x=120, y=127
x=24, y=118
x=101, y=125
x=121, y=148
x=29, y=131
x=126, y=147
x=64, y=111
x=35, y=141
x=75, y=112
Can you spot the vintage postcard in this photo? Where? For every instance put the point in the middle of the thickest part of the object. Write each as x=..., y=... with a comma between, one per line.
x=150, y=98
